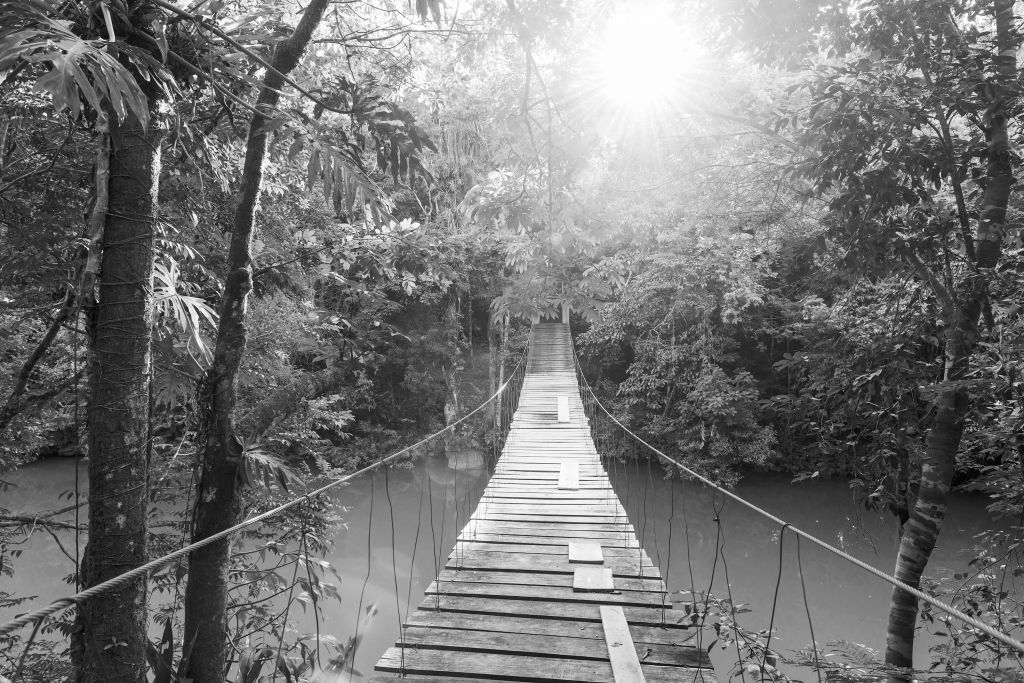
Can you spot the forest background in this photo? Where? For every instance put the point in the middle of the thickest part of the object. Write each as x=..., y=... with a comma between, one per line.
x=248, y=245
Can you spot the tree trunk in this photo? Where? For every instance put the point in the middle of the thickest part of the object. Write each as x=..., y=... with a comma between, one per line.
x=493, y=351
x=451, y=332
x=218, y=501
x=922, y=528
x=113, y=627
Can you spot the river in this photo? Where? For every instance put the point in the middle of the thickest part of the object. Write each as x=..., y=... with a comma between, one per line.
x=845, y=602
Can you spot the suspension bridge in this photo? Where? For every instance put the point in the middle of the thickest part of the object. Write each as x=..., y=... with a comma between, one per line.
x=547, y=581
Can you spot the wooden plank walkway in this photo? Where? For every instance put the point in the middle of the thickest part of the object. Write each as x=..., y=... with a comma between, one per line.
x=513, y=602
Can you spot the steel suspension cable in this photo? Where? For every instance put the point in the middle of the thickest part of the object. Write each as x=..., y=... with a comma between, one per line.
x=146, y=569
x=1004, y=638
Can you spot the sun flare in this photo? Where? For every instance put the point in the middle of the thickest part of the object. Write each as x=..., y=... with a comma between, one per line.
x=642, y=66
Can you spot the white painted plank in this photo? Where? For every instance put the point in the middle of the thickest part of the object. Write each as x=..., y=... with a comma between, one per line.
x=621, y=651
x=569, y=476
x=592, y=580
x=585, y=552
x=563, y=409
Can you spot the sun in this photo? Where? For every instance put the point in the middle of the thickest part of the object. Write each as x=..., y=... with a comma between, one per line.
x=643, y=66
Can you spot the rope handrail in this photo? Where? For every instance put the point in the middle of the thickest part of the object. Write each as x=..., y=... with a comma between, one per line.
x=1004, y=638
x=144, y=570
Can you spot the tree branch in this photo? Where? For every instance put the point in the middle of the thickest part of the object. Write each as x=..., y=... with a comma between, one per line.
x=203, y=22
x=925, y=273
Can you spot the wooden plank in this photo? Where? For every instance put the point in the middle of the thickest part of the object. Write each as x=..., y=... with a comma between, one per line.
x=622, y=540
x=563, y=409
x=535, y=579
x=621, y=651
x=586, y=552
x=541, y=526
x=529, y=562
x=679, y=637
x=533, y=507
x=582, y=611
x=503, y=667
x=551, y=594
x=553, y=517
x=546, y=645
x=592, y=580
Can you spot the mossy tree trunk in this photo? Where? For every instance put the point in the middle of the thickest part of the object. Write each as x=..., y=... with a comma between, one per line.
x=111, y=642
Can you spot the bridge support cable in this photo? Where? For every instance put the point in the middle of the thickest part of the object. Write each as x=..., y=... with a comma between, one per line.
x=601, y=410
x=507, y=391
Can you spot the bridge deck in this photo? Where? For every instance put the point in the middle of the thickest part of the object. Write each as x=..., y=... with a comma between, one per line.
x=505, y=607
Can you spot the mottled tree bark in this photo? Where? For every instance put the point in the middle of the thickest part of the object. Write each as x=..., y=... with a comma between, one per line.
x=922, y=528
x=218, y=502
x=113, y=627
x=451, y=331
x=493, y=346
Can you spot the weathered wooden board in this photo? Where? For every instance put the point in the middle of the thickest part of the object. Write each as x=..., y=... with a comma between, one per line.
x=551, y=594
x=569, y=476
x=534, y=579
x=621, y=651
x=587, y=552
x=592, y=580
x=550, y=645
x=679, y=637
x=563, y=409
x=646, y=616
x=500, y=666
x=551, y=539
x=530, y=562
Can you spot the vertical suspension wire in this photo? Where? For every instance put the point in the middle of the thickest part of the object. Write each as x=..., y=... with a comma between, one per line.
x=668, y=564
x=434, y=546
x=807, y=609
x=654, y=518
x=394, y=566
x=78, y=460
x=711, y=579
x=313, y=597
x=775, y=599
x=641, y=507
x=689, y=553
x=458, y=527
x=291, y=593
x=415, y=547
x=728, y=591
x=366, y=579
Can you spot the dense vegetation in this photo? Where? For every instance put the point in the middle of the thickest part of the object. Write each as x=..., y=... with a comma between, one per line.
x=243, y=235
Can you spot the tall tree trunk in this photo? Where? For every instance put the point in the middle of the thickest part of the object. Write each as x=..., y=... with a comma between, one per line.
x=113, y=627
x=451, y=333
x=218, y=501
x=925, y=522
x=493, y=351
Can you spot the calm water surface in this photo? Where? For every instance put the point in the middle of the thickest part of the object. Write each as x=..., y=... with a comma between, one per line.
x=845, y=602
